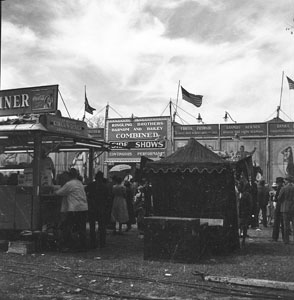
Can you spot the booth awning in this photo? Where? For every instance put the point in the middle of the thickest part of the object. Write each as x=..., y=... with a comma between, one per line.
x=193, y=157
x=62, y=134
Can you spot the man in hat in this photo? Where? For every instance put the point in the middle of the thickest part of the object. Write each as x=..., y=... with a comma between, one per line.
x=286, y=197
x=97, y=196
x=278, y=218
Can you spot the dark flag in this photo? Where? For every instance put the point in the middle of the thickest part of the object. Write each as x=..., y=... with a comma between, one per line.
x=194, y=99
x=89, y=109
x=291, y=83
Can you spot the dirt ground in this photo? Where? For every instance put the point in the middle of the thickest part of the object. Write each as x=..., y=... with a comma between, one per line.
x=119, y=271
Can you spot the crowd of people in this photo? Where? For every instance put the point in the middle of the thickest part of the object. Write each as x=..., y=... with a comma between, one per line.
x=116, y=204
x=260, y=204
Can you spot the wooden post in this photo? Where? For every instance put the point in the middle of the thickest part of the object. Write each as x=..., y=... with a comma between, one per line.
x=36, y=209
x=91, y=158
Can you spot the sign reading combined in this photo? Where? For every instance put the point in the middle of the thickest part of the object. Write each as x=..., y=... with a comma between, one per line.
x=140, y=137
x=33, y=100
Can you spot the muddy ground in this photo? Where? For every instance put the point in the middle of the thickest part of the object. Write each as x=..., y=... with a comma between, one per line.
x=119, y=271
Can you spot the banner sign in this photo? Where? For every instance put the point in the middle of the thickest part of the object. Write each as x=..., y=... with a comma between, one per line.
x=64, y=125
x=33, y=100
x=138, y=129
x=96, y=133
x=281, y=128
x=135, y=155
x=140, y=137
x=190, y=131
x=252, y=129
x=139, y=145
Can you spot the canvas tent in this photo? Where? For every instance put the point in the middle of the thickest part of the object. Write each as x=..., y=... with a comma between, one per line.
x=194, y=182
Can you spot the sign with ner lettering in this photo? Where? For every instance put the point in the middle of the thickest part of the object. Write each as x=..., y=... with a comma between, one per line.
x=32, y=100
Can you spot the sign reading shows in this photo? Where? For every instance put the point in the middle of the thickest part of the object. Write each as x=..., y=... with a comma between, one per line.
x=33, y=100
x=139, y=145
x=140, y=137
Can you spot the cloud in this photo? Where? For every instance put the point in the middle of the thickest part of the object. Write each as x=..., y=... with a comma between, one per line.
x=133, y=53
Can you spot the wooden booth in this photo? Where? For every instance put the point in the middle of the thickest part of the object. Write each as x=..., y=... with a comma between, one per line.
x=194, y=201
x=27, y=201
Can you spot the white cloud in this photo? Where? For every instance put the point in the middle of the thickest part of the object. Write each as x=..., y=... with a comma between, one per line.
x=131, y=52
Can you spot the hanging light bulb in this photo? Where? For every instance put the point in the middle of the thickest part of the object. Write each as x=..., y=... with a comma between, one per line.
x=199, y=119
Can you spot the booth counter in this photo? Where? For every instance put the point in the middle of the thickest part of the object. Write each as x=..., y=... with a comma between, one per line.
x=17, y=207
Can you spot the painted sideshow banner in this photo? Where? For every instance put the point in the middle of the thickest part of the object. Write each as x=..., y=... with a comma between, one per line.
x=281, y=158
x=233, y=149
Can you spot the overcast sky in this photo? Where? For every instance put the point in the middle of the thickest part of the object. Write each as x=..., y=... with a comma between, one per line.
x=133, y=53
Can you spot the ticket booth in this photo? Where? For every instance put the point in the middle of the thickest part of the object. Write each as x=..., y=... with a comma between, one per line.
x=28, y=142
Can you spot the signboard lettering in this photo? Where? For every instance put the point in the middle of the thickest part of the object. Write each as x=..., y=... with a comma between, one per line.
x=123, y=129
x=64, y=125
x=139, y=145
x=96, y=133
x=254, y=129
x=196, y=130
x=35, y=100
x=281, y=128
x=140, y=137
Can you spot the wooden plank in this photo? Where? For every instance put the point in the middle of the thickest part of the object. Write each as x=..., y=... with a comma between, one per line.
x=163, y=218
x=252, y=282
x=212, y=222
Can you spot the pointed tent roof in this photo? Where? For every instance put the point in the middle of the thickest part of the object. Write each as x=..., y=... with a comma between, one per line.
x=192, y=157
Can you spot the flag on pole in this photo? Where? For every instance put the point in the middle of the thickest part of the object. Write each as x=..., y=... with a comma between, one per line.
x=291, y=83
x=194, y=99
x=89, y=109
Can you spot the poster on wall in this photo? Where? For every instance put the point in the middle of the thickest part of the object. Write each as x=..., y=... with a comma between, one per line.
x=281, y=158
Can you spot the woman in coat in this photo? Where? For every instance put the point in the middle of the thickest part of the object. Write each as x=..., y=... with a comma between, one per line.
x=119, y=212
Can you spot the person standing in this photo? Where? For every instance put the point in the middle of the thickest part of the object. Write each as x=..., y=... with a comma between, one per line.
x=242, y=153
x=74, y=211
x=245, y=209
x=286, y=197
x=140, y=211
x=278, y=218
x=97, y=195
x=130, y=205
x=262, y=199
x=255, y=208
x=119, y=212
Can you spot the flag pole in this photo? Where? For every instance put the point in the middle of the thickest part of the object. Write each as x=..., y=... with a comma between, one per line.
x=84, y=105
x=172, y=125
x=279, y=107
x=177, y=101
x=106, y=114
